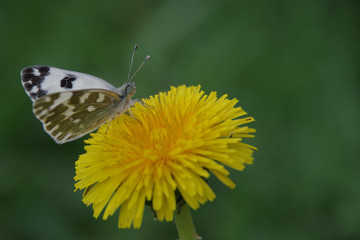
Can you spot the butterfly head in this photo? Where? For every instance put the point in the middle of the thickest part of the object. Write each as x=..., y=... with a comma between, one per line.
x=127, y=90
x=130, y=89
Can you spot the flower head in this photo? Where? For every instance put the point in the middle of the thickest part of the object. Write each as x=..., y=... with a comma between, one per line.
x=173, y=145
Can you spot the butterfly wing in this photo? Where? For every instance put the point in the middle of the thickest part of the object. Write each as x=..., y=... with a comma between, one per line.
x=42, y=80
x=69, y=115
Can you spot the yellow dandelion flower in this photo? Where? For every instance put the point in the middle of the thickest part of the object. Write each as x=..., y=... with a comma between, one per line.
x=171, y=146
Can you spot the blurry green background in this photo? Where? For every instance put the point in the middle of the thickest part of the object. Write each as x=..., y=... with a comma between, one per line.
x=293, y=65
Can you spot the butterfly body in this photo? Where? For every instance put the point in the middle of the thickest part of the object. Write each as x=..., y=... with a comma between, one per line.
x=71, y=104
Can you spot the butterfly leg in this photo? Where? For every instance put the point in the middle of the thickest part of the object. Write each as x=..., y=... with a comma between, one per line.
x=109, y=123
x=142, y=103
x=129, y=109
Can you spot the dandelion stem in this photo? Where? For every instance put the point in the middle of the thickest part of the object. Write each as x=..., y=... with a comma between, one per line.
x=185, y=225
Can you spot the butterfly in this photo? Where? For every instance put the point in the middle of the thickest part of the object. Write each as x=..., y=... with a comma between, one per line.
x=71, y=104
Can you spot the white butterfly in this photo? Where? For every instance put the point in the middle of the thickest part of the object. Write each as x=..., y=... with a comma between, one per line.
x=71, y=104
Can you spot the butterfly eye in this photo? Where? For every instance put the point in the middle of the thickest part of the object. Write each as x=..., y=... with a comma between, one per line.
x=130, y=89
x=127, y=89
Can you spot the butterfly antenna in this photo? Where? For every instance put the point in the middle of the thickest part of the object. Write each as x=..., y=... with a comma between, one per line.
x=132, y=59
x=145, y=60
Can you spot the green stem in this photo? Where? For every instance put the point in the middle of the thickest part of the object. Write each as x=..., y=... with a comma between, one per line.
x=185, y=225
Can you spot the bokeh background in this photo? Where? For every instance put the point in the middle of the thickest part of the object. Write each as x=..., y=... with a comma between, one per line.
x=293, y=65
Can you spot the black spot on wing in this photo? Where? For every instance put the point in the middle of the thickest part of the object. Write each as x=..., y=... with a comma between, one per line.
x=38, y=94
x=27, y=74
x=27, y=70
x=66, y=82
x=33, y=77
x=28, y=86
x=44, y=70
